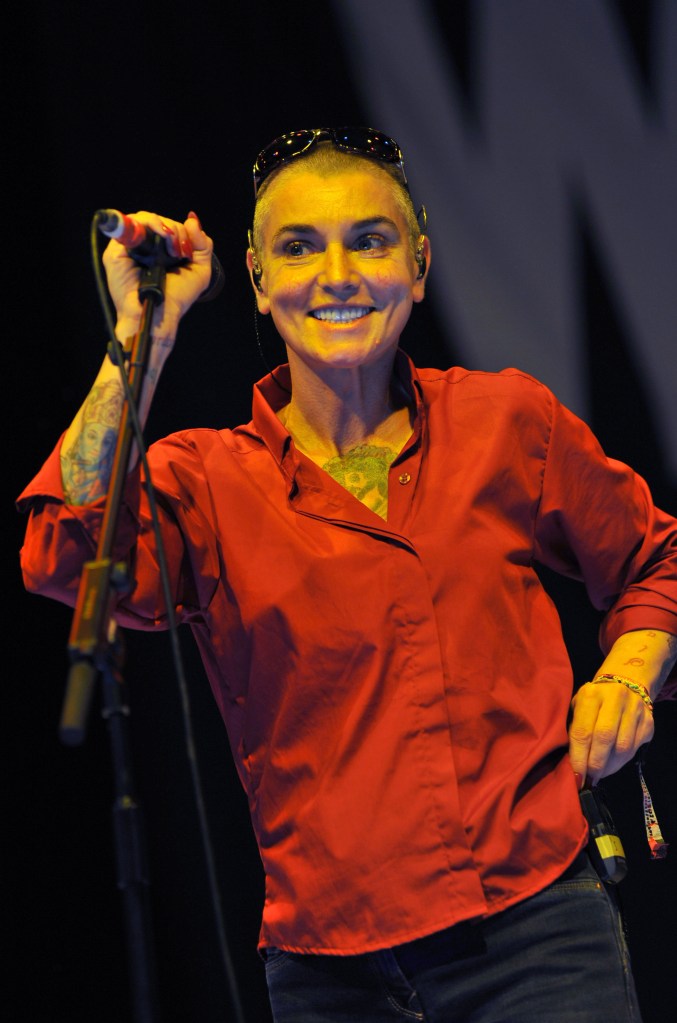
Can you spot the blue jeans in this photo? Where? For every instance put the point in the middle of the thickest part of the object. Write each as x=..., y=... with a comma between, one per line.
x=558, y=957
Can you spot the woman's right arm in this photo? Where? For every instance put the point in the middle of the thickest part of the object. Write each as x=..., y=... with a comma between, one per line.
x=89, y=443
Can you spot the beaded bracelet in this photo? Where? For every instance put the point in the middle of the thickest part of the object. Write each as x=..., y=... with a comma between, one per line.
x=635, y=687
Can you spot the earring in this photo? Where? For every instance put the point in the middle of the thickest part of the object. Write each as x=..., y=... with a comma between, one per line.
x=421, y=260
x=257, y=270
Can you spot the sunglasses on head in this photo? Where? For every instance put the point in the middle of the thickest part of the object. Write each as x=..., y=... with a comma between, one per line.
x=358, y=141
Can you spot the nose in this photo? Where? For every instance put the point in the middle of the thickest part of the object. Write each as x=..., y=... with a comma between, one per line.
x=338, y=275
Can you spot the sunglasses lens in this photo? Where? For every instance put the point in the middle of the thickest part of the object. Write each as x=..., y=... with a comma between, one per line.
x=368, y=142
x=284, y=148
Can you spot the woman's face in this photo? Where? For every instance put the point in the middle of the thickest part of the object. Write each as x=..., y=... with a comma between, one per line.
x=339, y=275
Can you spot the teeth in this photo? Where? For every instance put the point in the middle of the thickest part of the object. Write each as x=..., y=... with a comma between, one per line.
x=341, y=315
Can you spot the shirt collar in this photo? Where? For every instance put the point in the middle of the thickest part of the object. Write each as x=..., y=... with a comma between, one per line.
x=271, y=394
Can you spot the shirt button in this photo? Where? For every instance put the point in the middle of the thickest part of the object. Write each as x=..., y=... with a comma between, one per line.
x=404, y=478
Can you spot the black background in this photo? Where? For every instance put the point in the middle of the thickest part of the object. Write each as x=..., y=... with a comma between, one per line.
x=163, y=107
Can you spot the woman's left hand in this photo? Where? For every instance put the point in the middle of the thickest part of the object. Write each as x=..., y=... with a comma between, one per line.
x=608, y=726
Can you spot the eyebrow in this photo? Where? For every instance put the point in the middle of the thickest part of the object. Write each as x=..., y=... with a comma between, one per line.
x=358, y=225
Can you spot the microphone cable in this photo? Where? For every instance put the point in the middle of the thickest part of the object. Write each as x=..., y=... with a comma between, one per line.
x=117, y=355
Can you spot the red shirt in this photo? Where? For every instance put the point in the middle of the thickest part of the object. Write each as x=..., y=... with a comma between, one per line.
x=395, y=693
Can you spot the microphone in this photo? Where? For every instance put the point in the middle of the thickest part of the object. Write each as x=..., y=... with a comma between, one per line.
x=142, y=245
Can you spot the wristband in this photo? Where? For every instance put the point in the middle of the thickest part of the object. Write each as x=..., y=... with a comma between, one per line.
x=634, y=687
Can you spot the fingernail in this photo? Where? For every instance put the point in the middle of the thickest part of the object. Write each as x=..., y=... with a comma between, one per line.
x=193, y=216
x=174, y=245
x=579, y=780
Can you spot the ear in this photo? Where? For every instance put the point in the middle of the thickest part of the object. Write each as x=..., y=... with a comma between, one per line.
x=256, y=277
x=423, y=267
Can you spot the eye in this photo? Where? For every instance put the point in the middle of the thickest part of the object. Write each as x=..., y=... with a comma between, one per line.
x=297, y=248
x=369, y=242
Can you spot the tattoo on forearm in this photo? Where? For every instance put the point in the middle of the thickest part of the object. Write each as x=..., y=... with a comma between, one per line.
x=86, y=465
x=635, y=662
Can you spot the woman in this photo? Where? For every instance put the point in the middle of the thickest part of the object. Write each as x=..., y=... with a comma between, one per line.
x=357, y=566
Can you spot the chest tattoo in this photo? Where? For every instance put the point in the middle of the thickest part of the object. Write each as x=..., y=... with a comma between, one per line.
x=363, y=471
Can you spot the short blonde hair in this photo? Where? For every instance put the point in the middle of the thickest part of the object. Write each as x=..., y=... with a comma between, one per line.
x=325, y=160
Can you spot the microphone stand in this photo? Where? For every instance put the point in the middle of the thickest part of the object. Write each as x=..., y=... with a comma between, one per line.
x=95, y=647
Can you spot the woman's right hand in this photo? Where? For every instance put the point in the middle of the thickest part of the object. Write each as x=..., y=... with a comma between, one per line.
x=183, y=285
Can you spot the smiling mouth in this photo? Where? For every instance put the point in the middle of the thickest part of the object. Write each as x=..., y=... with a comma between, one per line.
x=341, y=315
